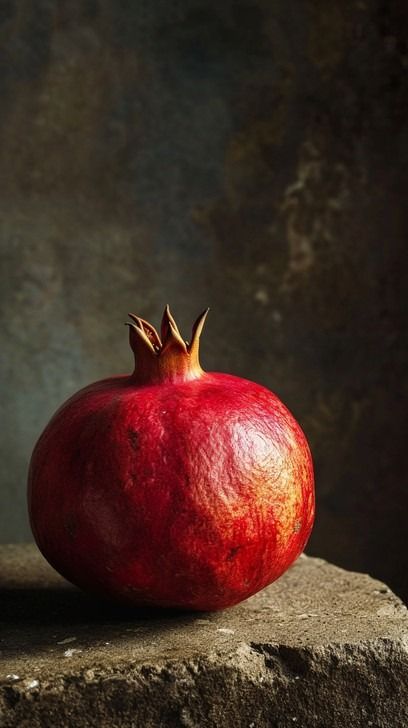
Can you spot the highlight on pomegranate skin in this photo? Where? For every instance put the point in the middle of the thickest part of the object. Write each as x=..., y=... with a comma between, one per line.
x=172, y=486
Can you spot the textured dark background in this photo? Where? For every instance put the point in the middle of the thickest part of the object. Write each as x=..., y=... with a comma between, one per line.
x=250, y=156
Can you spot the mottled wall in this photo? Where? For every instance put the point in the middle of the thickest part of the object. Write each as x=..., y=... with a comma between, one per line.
x=251, y=156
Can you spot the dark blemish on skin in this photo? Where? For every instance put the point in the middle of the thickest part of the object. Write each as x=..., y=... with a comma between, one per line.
x=233, y=552
x=133, y=438
x=70, y=526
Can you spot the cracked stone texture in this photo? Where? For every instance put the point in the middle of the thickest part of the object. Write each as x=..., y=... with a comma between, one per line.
x=249, y=155
x=322, y=648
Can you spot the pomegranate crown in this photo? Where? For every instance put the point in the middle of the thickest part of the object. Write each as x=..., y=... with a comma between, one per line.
x=167, y=357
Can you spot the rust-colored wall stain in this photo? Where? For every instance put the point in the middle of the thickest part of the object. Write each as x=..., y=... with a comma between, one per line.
x=238, y=155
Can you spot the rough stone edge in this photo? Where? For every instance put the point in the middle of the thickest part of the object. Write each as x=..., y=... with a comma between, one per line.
x=259, y=684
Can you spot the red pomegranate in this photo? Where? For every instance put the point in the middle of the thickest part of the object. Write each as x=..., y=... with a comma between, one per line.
x=172, y=486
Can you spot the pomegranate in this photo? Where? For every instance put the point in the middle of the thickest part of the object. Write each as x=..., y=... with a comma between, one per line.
x=172, y=486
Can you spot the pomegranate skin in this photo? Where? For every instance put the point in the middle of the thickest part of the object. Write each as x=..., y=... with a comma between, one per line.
x=191, y=495
x=189, y=492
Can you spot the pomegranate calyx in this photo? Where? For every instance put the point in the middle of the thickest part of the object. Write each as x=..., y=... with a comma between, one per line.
x=167, y=358
x=170, y=335
x=198, y=326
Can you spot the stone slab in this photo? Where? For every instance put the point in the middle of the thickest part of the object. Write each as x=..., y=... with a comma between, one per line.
x=321, y=647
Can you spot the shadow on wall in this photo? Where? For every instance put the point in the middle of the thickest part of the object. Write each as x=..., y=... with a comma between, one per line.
x=241, y=157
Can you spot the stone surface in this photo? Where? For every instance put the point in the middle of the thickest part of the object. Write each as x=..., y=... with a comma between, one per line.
x=249, y=155
x=321, y=648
